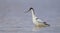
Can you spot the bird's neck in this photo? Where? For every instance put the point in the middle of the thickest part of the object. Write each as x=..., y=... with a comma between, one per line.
x=33, y=13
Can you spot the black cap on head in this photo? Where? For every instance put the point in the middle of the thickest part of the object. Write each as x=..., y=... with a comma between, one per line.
x=31, y=8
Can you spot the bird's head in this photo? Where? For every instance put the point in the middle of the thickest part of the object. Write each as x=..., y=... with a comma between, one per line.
x=29, y=10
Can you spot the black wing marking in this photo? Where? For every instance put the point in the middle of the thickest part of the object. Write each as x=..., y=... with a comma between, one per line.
x=37, y=18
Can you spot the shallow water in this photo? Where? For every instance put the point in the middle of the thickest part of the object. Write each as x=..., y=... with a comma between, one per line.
x=14, y=20
x=15, y=24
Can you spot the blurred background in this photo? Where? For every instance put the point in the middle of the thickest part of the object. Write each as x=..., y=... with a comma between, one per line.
x=14, y=20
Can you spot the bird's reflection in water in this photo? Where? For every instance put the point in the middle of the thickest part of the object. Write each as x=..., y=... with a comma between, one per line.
x=37, y=28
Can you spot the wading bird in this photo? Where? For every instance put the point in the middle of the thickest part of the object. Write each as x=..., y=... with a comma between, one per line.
x=36, y=20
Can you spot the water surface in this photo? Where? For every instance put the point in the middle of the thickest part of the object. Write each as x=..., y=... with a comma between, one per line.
x=14, y=20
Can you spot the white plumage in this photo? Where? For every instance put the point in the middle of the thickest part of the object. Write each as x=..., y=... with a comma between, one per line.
x=36, y=20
